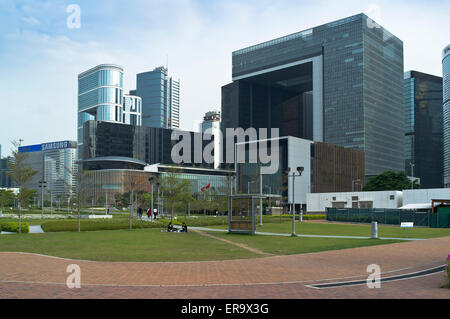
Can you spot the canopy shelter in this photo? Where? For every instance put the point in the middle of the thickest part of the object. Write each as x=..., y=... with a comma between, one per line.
x=243, y=217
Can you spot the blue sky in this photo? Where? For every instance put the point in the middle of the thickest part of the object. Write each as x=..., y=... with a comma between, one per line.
x=40, y=57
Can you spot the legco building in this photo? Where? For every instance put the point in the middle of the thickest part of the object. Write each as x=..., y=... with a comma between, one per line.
x=339, y=83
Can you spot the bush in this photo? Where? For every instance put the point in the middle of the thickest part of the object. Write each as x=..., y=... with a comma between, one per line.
x=13, y=227
x=198, y=221
x=92, y=225
x=313, y=217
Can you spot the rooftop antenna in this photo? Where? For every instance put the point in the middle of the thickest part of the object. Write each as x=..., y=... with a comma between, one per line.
x=167, y=61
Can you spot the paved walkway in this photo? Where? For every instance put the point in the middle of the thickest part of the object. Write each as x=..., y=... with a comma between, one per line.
x=27, y=275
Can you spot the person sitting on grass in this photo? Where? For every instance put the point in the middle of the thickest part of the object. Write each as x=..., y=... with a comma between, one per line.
x=184, y=228
x=170, y=227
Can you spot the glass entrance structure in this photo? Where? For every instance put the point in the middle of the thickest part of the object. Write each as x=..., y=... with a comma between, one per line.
x=243, y=217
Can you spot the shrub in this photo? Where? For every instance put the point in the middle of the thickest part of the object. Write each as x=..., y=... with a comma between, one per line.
x=13, y=227
x=92, y=225
x=313, y=217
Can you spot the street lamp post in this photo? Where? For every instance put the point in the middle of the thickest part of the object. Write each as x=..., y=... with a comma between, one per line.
x=42, y=185
x=270, y=192
x=260, y=199
x=299, y=170
x=151, y=183
x=412, y=174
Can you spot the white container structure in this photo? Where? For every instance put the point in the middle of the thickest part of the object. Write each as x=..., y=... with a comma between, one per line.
x=424, y=196
x=318, y=202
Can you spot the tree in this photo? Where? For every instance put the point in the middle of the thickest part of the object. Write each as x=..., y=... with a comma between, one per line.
x=389, y=181
x=175, y=189
x=132, y=183
x=6, y=198
x=82, y=191
x=20, y=173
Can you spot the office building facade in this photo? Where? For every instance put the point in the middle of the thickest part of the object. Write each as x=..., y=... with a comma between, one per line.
x=446, y=111
x=55, y=163
x=100, y=96
x=340, y=83
x=160, y=98
x=326, y=168
x=424, y=128
x=109, y=145
x=5, y=180
x=132, y=110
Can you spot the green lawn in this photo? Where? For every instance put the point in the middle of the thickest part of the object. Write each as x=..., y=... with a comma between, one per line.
x=154, y=245
x=314, y=228
x=124, y=245
x=278, y=245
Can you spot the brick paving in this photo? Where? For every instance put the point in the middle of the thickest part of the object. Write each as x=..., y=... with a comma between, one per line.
x=24, y=275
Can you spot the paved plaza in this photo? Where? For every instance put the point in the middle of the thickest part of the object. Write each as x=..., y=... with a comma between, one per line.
x=25, y=275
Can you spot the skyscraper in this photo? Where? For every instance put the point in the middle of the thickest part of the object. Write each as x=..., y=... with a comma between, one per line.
x=344, y=77
x=101, y=98
x=56, y=164
x=446, y=110
x=100, y=92
x=423, y=128
x=160, y=98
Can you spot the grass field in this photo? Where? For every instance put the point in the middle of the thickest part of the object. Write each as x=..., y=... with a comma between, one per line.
x=329, y=228
x=124, y=245
x=154, y=245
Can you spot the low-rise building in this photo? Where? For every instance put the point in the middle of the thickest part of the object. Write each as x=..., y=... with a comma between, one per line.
x=318, y=202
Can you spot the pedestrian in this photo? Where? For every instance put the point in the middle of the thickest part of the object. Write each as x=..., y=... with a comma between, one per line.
x=170, y=227
x=184, y=228
x=139, y=212
x=149, y=213
x=156, y=213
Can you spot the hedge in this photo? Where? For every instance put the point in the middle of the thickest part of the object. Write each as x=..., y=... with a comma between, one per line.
x=91, y=225
x=13, y=227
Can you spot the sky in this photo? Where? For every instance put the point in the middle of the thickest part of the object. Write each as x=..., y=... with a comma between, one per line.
x=41, y=55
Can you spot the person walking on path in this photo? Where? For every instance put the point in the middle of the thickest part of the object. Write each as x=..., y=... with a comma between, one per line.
x=149, y=214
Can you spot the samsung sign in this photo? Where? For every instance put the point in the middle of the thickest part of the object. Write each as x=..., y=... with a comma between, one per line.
x=46, y=147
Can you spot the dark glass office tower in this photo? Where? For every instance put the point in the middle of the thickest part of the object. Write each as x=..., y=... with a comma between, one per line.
x=160, y=98
x=424, y=128
x=120, y=146
x=340, y=83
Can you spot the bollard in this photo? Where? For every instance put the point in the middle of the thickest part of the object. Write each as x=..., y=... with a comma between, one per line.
x=374, y=230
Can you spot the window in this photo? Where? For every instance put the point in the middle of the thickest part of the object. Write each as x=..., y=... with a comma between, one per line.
x=354, y=197
x=391, y=197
